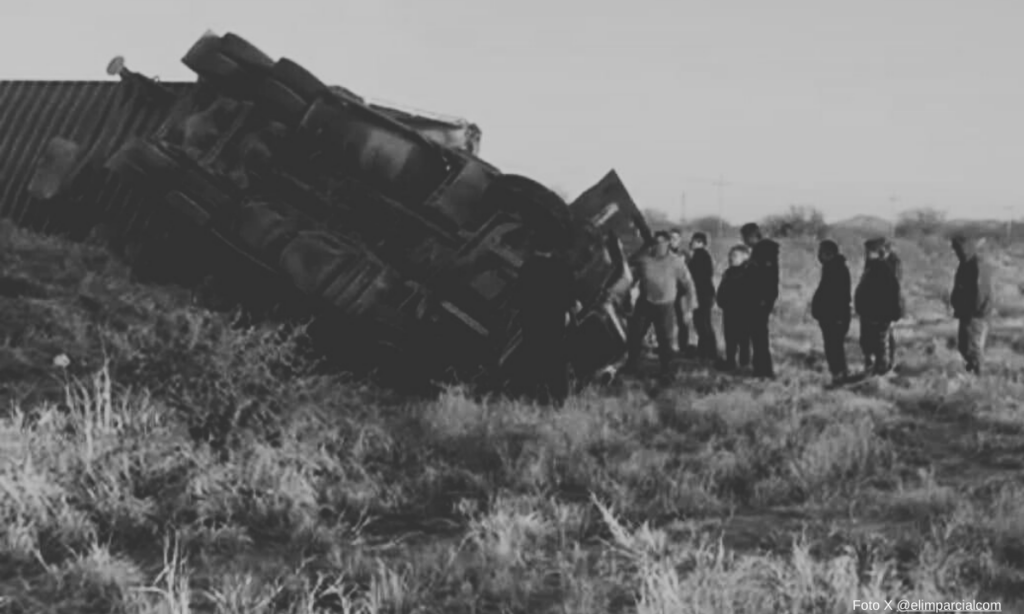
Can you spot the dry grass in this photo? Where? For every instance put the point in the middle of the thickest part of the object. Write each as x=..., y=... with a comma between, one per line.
x=178, y=464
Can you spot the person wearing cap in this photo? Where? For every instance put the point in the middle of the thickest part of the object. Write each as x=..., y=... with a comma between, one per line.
x=971, y=300
x=878, y=304
x=659, y=274
x=832, y=307
x=764, y=276
x=547, y=297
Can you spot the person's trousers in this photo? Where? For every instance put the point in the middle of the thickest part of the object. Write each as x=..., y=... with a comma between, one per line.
x=707, y=343
x=546, y=371
x=663, y=317
x=737, y=338
x=877, y=341
x=971, y=338
x=833, y=334
x=682, y=331
x=760, y=341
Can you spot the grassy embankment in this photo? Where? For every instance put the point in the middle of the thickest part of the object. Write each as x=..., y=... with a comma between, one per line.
x=178, y=464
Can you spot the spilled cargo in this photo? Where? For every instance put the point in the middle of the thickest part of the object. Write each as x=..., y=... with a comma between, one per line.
x=261, y=185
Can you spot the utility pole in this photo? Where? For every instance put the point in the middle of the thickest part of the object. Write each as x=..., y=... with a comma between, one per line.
x=682, y=207
x=721, y=205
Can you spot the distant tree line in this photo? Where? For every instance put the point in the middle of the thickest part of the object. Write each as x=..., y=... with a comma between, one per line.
x=928, y=222
x=801, y=221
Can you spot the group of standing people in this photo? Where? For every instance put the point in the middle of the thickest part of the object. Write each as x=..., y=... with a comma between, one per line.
x=677, y=292
x=878, y=303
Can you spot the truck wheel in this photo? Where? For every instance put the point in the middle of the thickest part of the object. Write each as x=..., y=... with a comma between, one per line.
x=536, y=204
x=207, y=59
x=280, y=102
x=245, y=54
x=298, y=79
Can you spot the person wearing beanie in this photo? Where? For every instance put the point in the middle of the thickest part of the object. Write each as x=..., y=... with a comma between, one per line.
x=764, y=277
x=878, y=304
x=832, y=308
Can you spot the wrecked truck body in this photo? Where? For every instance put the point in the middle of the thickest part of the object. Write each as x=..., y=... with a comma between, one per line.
x=404, y=243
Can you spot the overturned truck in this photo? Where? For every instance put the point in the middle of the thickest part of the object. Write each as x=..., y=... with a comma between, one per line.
x=259, y=184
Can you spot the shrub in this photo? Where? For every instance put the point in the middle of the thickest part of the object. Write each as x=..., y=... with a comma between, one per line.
x=807, y=222
x=920, y=222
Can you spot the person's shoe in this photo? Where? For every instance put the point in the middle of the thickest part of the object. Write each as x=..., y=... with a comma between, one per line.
x=838, y=379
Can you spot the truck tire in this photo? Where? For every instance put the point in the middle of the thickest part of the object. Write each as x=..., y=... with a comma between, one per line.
x=288, y=91
x=280, y=102
x=207, y=59
x=298, y=79
x=245, y=54
x=536, y=204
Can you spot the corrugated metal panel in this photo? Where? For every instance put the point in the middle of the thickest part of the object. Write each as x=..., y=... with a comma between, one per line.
x=98, y=115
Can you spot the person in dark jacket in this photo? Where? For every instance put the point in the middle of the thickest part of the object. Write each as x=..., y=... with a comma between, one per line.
x=893, y=260
x=764, y=278
x=971, y=300
x=702, y=270
x=546, y=299
x=831, y=307
x=878, y=304
x=734, y=299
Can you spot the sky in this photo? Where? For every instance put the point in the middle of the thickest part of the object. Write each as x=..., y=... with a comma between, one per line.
x=866, y=107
